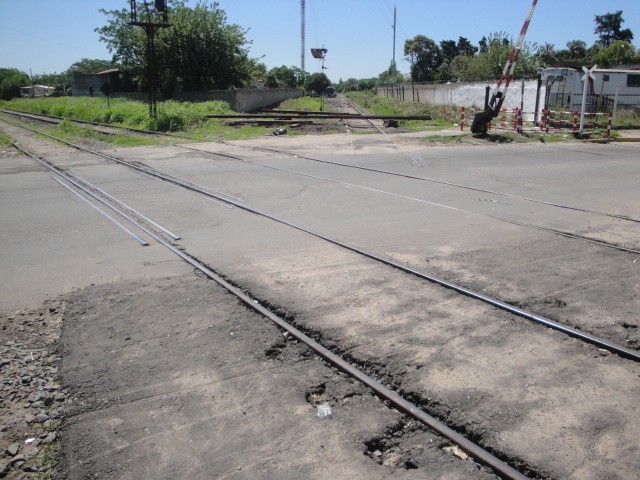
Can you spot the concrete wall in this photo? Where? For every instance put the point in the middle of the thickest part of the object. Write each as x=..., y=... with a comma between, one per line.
x=242, y=100
x=464, y=94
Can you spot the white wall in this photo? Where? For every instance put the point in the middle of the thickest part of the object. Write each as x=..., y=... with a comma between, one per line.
x=467, y=94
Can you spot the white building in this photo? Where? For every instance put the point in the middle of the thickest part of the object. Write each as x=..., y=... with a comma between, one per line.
x=564, y=89
x=36, y=91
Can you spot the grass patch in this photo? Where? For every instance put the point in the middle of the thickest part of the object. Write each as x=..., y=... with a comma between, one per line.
x=309, y=104
x=172, y=116
x=627, y=118
x=442, y=116
x=73, y=133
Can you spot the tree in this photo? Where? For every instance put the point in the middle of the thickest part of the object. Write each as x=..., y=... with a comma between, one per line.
x=92, y=65
x=391, y=75
x=317, y=82
x=199, y=51
x=449, y=50
x=11, y=80
x=618, y=53
x=284, y=77
x=577, y=49
x=547, y=53
x=466, y=48
x=365, y=84
x=424, y=56
x=608, y=28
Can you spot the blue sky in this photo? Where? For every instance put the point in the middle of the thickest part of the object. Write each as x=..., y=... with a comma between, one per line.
x=48, y=36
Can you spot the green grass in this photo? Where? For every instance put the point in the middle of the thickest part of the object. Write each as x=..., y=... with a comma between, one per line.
x=172, y=116
x=310, y=104
x=627, y=118
x=73, y=133
x=442, y=116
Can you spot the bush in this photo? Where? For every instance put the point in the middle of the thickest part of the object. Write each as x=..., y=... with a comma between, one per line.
x=172, y=116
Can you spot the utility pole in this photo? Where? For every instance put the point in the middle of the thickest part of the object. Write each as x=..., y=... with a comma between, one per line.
x=302, y=33
x=150, y=28
x=393, y=61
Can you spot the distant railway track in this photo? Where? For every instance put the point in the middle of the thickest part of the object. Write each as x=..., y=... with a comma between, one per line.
x=232, y=201
x=356, y=119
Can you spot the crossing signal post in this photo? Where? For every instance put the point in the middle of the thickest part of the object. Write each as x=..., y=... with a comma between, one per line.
x=153, y=21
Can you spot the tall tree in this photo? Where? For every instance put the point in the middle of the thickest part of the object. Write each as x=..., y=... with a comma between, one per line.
x=609, y=29
x=424, y=56
x=11, y=80
x=577, y=49
x=466, y=48
x=317, y=82
x=284, y=77
x=547, y=53
x=618, y=53
x=199, y=51
x=448, y=49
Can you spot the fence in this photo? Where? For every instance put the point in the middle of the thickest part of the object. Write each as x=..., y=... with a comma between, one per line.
x=557, y=121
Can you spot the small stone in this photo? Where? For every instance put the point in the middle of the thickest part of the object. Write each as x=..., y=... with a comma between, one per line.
x=13, y=449
x=29, y=418
x=60, y=397
x=50, y=437
x=30, y=468
x=41, y=418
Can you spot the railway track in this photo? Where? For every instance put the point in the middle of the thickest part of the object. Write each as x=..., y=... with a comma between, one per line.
x=509, y=472
x=235, y=202
x=342, y=104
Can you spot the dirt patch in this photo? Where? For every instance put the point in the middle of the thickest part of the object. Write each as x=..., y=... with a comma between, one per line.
x=176, y=379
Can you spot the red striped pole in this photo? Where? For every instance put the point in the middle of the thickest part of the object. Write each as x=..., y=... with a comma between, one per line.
x=462, y=120
x=609, y=123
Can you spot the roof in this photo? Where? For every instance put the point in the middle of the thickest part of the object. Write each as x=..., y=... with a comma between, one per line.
x=110, y=70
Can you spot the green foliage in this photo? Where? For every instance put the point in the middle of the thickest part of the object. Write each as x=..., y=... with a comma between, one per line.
x=317, y=82
x=172, y=116
x=200, y=51
x=285, y=77
x=11, y=80
x=424, y=56
x=443, y=115
x=618, y=53
x=310, y=104
x=390, y=75
x=609, y=29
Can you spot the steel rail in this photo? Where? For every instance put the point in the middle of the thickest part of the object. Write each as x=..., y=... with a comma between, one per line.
x=369, y=117
x=131, y=209
x=69, y=179
x=481, y=455
x=441, y=182
x=573, y=332
x=478, y=453
x=143, y=242
x=562, y=233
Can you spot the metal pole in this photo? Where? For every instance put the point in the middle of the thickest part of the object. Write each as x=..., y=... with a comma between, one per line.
x=615, y=106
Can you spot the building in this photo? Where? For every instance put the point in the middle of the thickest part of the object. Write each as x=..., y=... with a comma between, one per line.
x=564, y=89
x=90, y=84
x=36, y=91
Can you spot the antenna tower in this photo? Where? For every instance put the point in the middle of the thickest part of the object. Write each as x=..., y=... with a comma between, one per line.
x=302, y=33
x=393, y=61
